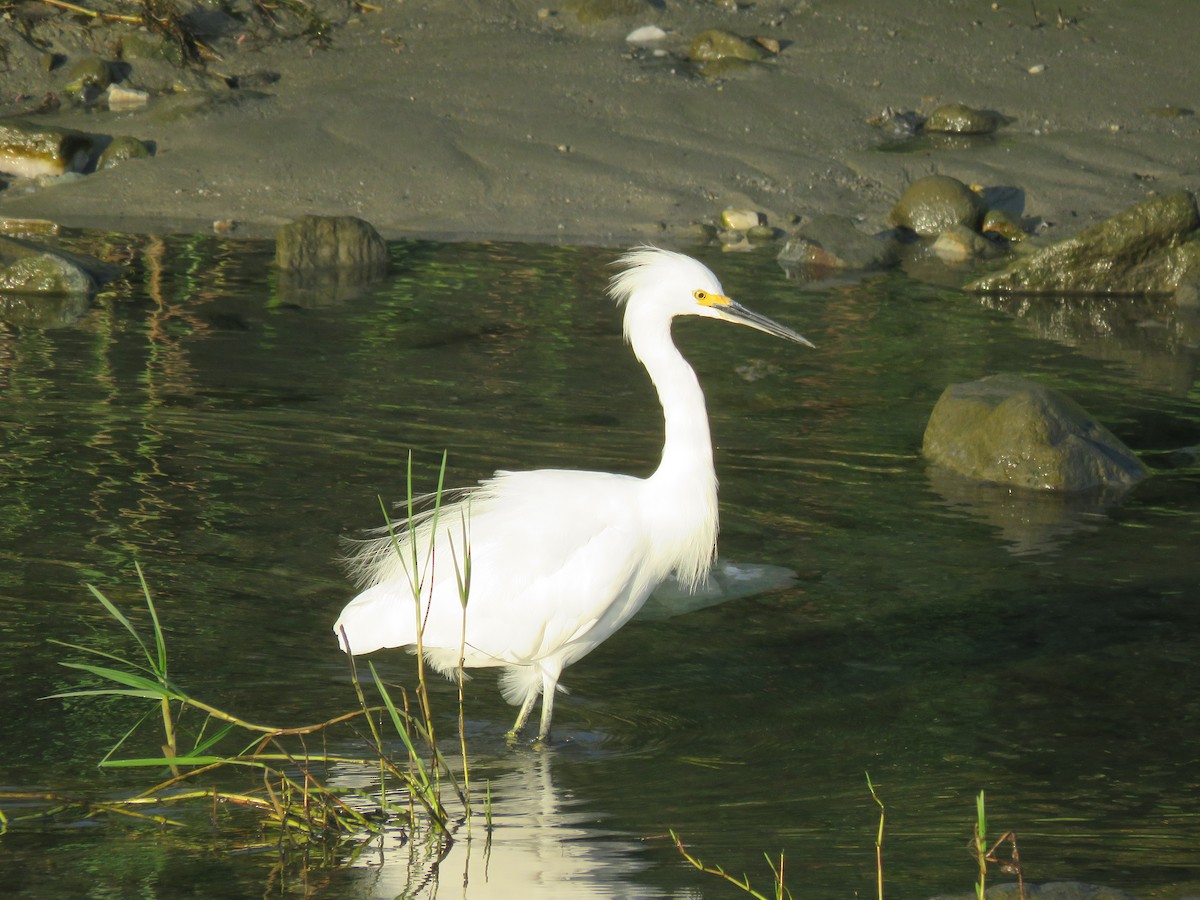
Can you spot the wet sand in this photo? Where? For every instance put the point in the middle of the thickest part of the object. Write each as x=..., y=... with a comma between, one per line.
x=515, y=120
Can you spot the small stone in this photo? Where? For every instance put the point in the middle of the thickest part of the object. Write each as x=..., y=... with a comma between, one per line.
x=88, y=77
x=955, y=118
x=1000, y=224
x=958, y=244
x=120, y=149
x=714, y=45
x=647, y=34
x=742, y=219
x=123, y=98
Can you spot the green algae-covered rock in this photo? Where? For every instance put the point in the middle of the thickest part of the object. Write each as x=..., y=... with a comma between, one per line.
x=955, y=118
x=88, y=77
x=936, y=203
x=1148, y=248
x=326, y=242
x=714, y=45
x=29, y=269
x=1011, y=431
x=121, y=148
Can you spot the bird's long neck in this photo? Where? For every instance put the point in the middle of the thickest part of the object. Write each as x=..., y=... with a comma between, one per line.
x=685, y=479
x=687, y=448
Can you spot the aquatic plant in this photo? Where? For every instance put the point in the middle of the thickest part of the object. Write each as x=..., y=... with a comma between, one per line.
x=292, y=791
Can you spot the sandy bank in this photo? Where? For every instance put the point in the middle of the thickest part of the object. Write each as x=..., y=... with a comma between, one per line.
x=515, y=120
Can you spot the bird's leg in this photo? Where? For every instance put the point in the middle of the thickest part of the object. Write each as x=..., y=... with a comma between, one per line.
x=522, y=716
x=549, y=685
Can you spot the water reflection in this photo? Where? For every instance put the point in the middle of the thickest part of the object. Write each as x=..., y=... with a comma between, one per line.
x=1028, y=521
x=1154, y=337
x=543, y=842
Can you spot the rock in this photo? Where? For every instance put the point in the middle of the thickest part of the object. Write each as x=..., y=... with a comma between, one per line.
x=1014, y=432
x=123, y=98
x=741, y=219
x=30, y=150
x=935, y=203
x=88, y=78
x=330, y=242
x=647, y=34
x=43, y=311
x=834, y=242
x=955, y=118
x=762, y=234
x=714, y=45
x=959, y=243
x=1149, y=248
x=1000, y=224
x=26, y=268
x=120, y=149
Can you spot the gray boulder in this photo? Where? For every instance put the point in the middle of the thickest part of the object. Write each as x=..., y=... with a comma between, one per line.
x=1011, y=431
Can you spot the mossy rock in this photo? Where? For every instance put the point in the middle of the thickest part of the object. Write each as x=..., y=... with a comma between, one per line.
x=121, y=148
x=1149, y=248
x=26, y=268
x=936, y=203
x=1014, y=432
x=716, y=45
x=956, y=118
x=330, y=242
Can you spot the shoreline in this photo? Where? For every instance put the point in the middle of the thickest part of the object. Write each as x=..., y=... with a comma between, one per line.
x=512, y=121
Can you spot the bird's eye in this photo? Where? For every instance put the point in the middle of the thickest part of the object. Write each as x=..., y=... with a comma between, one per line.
x=701, y=296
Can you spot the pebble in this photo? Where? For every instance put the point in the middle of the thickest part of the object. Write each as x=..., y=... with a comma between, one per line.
x=123, y=98
x=647, y=34
x=742, y=219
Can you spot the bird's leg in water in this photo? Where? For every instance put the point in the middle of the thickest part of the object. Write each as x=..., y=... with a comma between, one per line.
x=522, y=717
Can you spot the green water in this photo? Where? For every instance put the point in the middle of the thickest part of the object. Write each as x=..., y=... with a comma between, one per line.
x=224, y=431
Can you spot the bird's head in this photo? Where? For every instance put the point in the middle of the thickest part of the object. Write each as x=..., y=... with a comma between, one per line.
x=658, y=285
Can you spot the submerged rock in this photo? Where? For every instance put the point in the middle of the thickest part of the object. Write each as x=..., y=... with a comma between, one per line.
x=330, y=242
x=26, y=268
x=30, y=150
x=834, y=242
x=1011, y=431
x=1153, y=247
x=935, y=203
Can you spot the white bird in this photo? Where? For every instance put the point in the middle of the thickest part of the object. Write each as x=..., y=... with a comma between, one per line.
x=560, y=559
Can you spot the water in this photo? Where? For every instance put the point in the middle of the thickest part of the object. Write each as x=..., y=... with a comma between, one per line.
x=225, y=430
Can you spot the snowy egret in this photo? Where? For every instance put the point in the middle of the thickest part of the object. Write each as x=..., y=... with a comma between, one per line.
x=560, y=559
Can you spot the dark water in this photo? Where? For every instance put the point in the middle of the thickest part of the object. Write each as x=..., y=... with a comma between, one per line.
x=224, y=431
